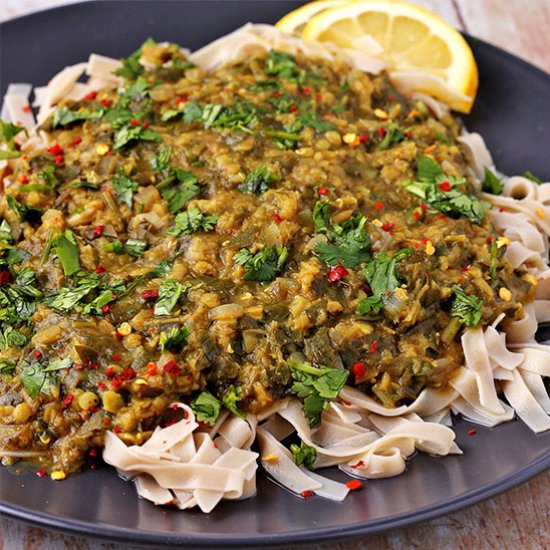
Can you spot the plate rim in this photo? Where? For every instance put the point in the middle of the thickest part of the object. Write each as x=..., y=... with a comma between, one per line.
x=409, y=518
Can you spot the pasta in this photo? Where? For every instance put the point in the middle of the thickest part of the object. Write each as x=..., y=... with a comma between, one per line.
x=188, y=464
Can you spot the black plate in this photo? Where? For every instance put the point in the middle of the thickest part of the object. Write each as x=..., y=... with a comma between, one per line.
x=511, y=112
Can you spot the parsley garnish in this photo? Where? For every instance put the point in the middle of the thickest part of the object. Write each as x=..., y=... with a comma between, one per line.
x=351, y=244
x=174, y=339
x=491, y=184
x=263, y=265
x=451, y=202
x=191, y=221
x=303, y=454
x=64, y=245
x=317, y=386
x=230, y=399
x=258, y=181
x=206, y=408
x=125, y=187
x=466, y=307
x=170, y=291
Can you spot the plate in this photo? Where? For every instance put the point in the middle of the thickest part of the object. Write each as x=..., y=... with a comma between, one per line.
x=510, y=112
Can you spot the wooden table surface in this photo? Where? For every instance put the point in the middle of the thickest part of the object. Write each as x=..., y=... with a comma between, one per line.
x=514, y=520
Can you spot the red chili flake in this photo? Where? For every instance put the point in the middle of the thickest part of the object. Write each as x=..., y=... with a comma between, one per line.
x=354, y=484
x=116, y=357
x=5, y=278
x=181, y=100
x=348, y=403
x=37, y=354
x=23, y=179
x=465, y=268
x=373, y=346
x=489, y=239
x=425, y=240
x=102, y=385
x=106, y=102
x=91, y=364
x=416, y=214
x=76, y=141
x=66, y=402
x=59, y=160
x=41, y=473
x=323, y=191
x=387, y=226
x=151, y=368
x=381, y=131
x=337, y=273
x=306, y=91
x=26, y=109
x=117, y=430
x=423, y=207
x=110, y=372
x=391, y=97
x=445, y=186
x=359, y=371
x=318, y=97
x=98, y=231
x=460, y=279
x=93, y=453
x=149, y=293
x=134, y=122
x=78, y=367
x=116, y=383
x=358, y=465
x=277, y=218
x=472, y=432
x=378, y=206
x=363, y=138
x=409, y=134
x=100, y=269
x=230, y=232
x=293, y=108
x=441, y=217
x=145, y=124
x=501, y=209
x=277, y=95
x=55, y=149
x=90, y=96
x=106, y=309
x=109, y=153
x=106, y=421
x=306, y=494
x=172, y=368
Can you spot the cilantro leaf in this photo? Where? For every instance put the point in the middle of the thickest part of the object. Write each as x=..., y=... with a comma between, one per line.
x=10, y=337
x=206, y=408
x=317, y=386
x=466, y=307
x=133, y=247
x=491, y=184
x=48, y=175
x=65, y=299
x=174, y=339
x=125, y=187
x=63, y=116
x=393, y=136
x=24, y=211
x=58, y=364
x=191, y=221
x=128, y=133
x=64, y=245
x=258, y=181
x=428, y=170
x=170, y=291
x=268, y=85
x=131, y=67
x=372, y=304
x=230, y=399
x=32, y=377
x=380, y=272
x=263, y=265
x=281, y=64
x=6, y=366
x=6, y=155
x=177, y=195
x=321, y=126
x=8, y=132
x=161, y=160
x=303, y=454
x=321, y=216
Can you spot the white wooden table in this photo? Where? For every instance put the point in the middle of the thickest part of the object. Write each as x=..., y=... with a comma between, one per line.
x=519, y=519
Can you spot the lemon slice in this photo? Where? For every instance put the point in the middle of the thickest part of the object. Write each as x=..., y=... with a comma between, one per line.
x=296, y=20
x=422, y=51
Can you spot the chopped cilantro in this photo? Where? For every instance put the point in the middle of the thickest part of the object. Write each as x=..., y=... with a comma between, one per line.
x=381, y=272
x=263, y=265
x=131, y=246
x=161, y=160
x=303, y=454
x=58, y=364
x=393, y=136
x=309, y=119
x=281, y=64
x=321, y=216
x=206, y=408
x=65, y=299
x=268, y=85
x=10, y=336
x=170, y=291
x=230, y=399
x=49, y=175
x=191, y=221
x=63, y=116
x=6, y=155
x=8, y=132
x=317, y=386
x=466, y=307
x=128, y=133
x=125, y=187
x=131, y=67
x=258, y=181
x=25, y=212
x=530, y=176
x=491, y=184
x=33, y=378
x=6, y=367
x=443, y=138
x=64, y=245
x=178, y=188
x=174, y=339
x=372, y=304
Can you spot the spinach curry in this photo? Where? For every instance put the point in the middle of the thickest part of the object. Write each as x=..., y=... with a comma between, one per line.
x=197, y=231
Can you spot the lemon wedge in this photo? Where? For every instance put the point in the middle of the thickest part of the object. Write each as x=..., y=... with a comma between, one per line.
x=296, y=20
x=422, y=51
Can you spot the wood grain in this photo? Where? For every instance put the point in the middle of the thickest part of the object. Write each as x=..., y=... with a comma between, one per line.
x=517, y=519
